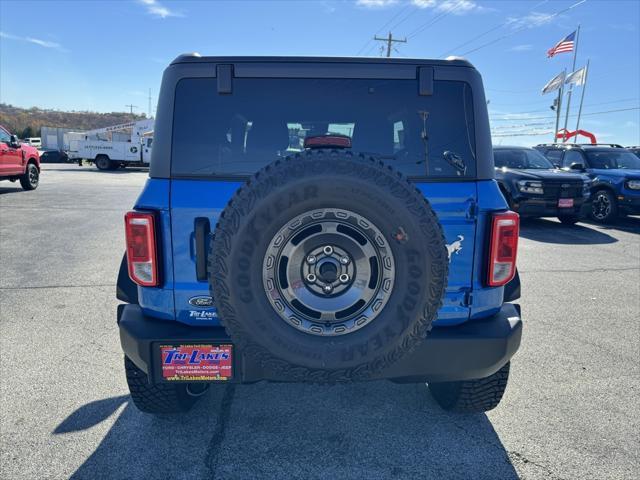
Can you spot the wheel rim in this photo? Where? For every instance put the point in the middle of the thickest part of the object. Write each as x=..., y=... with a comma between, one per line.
x=33, y=176
x=102, y=163
x=601, y=206
x=328, y=272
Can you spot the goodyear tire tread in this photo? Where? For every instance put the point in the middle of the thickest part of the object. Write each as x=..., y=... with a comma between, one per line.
x=160, y=398
x=472, y=396
x=247, y=198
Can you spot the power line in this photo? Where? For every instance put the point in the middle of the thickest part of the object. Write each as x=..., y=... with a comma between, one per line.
x=504, y=24
x=383, y=27
x=518, y=30
x=523, y=125
x=132, y=107
x=525, y=134
x=434, y=20
x=407, y=17
x=589, y=105
x=572, y=115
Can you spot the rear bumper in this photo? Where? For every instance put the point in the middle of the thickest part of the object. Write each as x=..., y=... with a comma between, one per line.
x=475, y=349
x=539, y=207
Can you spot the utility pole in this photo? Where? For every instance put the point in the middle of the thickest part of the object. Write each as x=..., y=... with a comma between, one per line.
x=584, y=86
x=149, y=103
x=131, y=107
x=389, y=41
x=559, y=108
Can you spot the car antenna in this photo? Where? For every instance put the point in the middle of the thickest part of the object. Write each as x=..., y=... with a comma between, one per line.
x=425, y=137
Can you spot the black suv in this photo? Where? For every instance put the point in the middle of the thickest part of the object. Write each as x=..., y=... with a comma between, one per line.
x=535, y=188
x=615, y=172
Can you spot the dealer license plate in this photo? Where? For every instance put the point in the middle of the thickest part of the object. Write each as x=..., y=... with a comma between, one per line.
x=196, y=362
x=565, y=202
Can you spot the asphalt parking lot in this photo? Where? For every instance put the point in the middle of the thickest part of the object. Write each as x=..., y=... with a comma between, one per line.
x=570, y=411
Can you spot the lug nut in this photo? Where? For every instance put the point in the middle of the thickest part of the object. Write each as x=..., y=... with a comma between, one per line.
x=327, y=289
x=344, y=260
x=344, y=278
x=328, y=250
x=311, y=278
x=311, y=259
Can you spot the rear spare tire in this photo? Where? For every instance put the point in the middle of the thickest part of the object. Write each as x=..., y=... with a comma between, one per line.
x=328, y=266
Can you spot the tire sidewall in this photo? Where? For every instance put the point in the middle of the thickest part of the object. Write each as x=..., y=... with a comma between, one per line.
x=614, y=208
x=103, y=166
x=406, y=318
x=25, y=181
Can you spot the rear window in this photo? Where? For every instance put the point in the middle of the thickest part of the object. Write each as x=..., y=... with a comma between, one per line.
x=611, y=159
x=263, y=119
x=554, y=156
x=520, y=158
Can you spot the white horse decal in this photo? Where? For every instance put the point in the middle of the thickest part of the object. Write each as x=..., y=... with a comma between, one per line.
x=455, y=247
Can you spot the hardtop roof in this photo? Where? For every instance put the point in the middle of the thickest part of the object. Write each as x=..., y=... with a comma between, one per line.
x=197, y=58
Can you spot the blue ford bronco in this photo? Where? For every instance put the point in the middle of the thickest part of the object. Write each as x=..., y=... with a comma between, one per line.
x=320, y=220
x=615, y=174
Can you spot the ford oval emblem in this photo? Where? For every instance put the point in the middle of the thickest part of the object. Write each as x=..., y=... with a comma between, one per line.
x=201, y=302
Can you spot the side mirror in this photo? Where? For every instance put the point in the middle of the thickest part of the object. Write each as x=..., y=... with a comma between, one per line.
x=13, y=141
x=577, y=166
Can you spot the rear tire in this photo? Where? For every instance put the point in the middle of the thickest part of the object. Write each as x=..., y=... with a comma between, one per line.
x=103, y=163
x=472, y=396
x=162, y=397
x=31, y=178
x=569, y=219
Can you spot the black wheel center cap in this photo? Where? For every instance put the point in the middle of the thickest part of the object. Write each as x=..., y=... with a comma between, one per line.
x=328, y=271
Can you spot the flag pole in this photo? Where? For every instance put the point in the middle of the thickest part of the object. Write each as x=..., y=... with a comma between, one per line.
x=584, y=87
x=558, y=108
x=573, y=69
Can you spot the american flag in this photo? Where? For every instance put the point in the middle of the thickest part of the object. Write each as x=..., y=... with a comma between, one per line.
x=564, y=45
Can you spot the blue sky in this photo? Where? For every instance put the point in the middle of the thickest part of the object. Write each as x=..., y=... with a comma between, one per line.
x=102, y=55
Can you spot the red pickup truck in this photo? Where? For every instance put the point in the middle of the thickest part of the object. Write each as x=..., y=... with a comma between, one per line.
x=18, y=161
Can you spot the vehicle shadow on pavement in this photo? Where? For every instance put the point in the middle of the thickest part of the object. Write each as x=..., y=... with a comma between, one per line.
x=367, y=430
x=551, y=231
x=624, y=224
x=15, y=189
x=87, y=169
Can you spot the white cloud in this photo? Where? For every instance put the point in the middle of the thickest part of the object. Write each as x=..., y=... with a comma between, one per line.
x=534, y=19
x=156, y=9
x=521, y=48
x=35, y=41
x=375, y=3
x=424, y=3
x=457, y=7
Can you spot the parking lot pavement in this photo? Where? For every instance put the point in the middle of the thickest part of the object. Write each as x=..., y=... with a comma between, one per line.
x=570, y=411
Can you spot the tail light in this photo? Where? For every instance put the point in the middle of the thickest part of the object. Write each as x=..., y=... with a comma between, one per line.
x=142, y=259
x=505, y=228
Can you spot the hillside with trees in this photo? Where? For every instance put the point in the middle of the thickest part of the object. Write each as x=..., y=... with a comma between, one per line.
x=26, y=122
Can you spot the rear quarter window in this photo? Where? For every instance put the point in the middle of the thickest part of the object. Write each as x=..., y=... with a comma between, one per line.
x=236, y=134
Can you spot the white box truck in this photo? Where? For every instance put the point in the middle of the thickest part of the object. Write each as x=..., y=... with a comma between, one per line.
x=108, y=151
